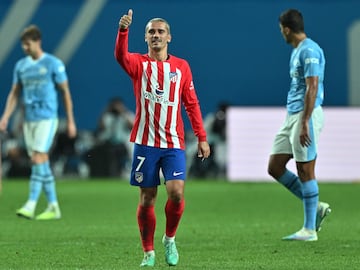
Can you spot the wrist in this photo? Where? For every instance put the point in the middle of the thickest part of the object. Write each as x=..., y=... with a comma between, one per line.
x=122, y=28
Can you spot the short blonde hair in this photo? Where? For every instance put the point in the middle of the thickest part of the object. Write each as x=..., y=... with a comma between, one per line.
x=167, y=25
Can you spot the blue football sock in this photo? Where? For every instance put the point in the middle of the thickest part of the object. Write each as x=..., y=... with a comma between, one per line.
x=35, y=185
x=310, y=200
x=292, y=183
x=50, y=191
x=49, y=184
x=35, y=188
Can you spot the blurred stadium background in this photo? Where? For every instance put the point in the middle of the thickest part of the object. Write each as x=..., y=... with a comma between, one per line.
x=234, y=47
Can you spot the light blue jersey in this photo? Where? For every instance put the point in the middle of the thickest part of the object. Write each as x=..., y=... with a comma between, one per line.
x=306, y=60
x=38, y=79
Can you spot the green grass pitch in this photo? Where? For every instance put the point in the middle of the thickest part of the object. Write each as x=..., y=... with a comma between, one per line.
x=224, y=226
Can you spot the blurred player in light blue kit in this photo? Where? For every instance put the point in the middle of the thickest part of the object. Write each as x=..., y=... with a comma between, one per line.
x=299, y=135
x=38, y=77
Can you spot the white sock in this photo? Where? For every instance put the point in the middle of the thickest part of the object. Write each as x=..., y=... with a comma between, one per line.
x=170, y=239
x=30, y=205
x=151, y=253
x=54, y=204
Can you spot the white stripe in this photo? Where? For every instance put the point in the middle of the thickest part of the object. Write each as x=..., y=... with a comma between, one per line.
x=79, y=28
x=14, y=22
x=175, y=138
x=164, y=108
x=154, y=84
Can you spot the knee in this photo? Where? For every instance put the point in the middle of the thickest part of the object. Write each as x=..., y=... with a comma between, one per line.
x=306, y=171
x=271, y=171
x=37, y=158
x=175, y=195
x=175, y=190
x=148, y=197
x=275, y=171
x=277, y=165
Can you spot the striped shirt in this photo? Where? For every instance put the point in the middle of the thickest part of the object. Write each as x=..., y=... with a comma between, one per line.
x=160, y=87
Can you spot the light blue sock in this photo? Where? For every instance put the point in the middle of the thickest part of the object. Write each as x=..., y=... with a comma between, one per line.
x=49, y=184
x=292, y=183
x=310, y=200
x=36, y=183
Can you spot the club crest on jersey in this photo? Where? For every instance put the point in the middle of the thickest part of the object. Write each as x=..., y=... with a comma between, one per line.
x=139, y=177
x=42, y=70
x=173, y=77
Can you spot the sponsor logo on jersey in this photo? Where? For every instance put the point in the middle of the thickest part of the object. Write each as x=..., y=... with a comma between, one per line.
x=312, y=61
x=159, y=92
x=158, y=98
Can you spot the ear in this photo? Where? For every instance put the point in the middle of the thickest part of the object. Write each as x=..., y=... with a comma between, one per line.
x=169, y=39
x=287, y=30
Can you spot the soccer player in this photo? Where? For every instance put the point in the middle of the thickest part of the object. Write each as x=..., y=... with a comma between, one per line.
x=162, y=82
x=299, y=135
x=37, y=77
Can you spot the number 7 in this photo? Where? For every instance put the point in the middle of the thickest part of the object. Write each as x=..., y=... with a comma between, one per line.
x=142, y=159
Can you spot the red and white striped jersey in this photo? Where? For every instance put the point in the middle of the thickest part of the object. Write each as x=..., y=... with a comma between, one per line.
x=160, y=87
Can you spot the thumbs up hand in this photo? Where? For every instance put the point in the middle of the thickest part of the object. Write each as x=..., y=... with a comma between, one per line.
x=126, y=20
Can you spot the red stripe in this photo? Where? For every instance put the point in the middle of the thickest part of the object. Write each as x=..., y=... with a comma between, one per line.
x=156, y=124
x=157, y=111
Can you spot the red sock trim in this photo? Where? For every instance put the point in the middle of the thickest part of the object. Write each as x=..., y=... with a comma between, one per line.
x=173, y=212
x=147, y=222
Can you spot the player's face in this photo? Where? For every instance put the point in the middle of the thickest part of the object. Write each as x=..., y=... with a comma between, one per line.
x=157, y=36
x=31, y=47
x=285, y=31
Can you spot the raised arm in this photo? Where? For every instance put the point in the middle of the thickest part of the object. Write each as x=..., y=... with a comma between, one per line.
x=121, y=45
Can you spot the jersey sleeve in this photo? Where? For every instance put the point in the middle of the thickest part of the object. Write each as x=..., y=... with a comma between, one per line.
x=59, y=71
x=192, y=106
x=16, y=78
x=128, y=61
x=311, y=62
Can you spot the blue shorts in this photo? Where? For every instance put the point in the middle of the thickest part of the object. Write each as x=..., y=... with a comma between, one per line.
x=147, y=162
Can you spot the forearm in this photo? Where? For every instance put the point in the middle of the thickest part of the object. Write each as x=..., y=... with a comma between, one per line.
x=10, y=106
x=68, y=104
x=195, y=117
x=310, y=97
x=309, y=103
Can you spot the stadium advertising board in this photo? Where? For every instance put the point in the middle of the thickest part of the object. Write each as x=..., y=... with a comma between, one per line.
x=251, y=130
